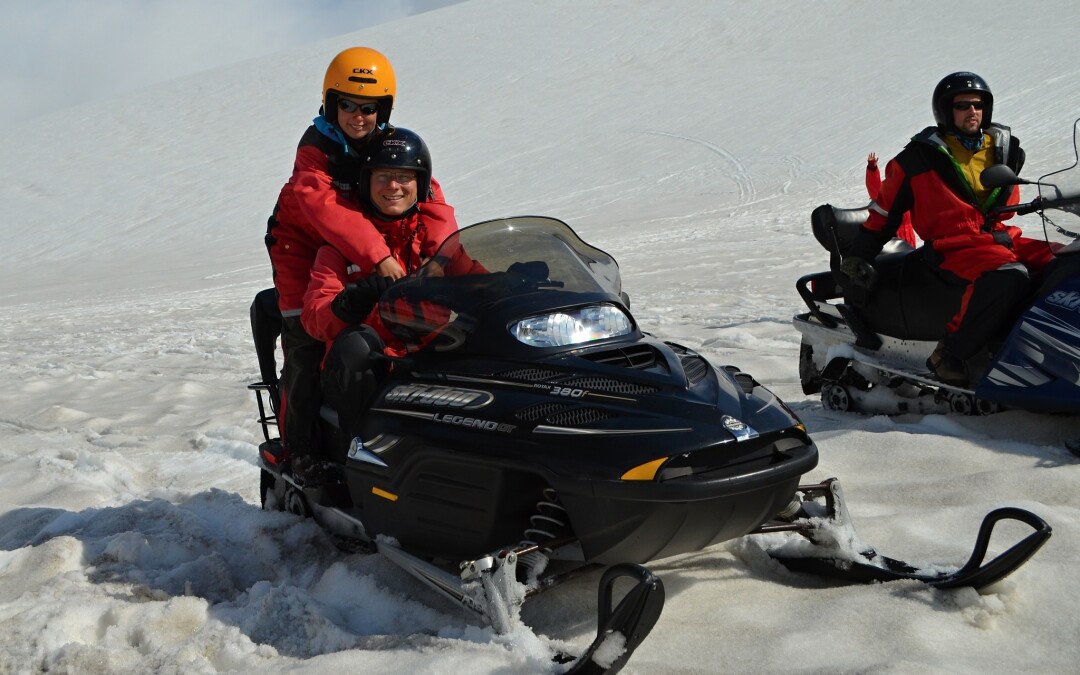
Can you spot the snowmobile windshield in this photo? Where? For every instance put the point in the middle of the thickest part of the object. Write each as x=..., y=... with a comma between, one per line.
x=442, y=302
x=1061, y=223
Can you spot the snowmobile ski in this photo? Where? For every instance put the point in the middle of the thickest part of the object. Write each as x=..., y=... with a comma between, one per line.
x=621, y=631
x=489, y=587
x=836, y=552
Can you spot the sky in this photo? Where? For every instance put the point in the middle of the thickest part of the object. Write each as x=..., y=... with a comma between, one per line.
x=58, y=53
x=691, y=141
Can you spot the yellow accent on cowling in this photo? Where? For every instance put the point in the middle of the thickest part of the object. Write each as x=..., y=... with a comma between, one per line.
x=384, y=494
x=646, y=471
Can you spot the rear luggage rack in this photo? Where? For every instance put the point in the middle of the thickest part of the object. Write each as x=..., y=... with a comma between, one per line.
x=266, y=417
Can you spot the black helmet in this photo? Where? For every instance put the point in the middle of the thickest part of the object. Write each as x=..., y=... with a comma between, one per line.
x=960, y=83
x=396, y=148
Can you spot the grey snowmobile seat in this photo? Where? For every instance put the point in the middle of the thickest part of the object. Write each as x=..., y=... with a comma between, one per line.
x=836, y=228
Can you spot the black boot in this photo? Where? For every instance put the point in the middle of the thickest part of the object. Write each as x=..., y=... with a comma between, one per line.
x=311, y=471
x=946, y=367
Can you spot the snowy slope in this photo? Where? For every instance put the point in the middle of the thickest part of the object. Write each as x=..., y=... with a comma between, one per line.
x=691, y=141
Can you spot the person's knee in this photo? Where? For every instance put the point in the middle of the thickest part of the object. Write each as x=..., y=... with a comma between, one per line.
x=1008, y=284
x=351, y=351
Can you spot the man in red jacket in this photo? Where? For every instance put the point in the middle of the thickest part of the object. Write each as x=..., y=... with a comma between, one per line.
x=936, y=178
x=321, y=203
x=342, y=293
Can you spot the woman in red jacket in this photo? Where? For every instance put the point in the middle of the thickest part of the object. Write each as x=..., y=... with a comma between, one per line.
x=321, y=203
x=342, y=292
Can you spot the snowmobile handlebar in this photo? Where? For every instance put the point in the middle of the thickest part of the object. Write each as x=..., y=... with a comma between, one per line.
x=1039, y=204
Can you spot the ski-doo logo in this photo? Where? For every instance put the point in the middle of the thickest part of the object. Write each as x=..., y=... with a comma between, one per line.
x=739, y=429
x=473, y=423
x=1066, y=299
x=439, y=397
x=733, y=424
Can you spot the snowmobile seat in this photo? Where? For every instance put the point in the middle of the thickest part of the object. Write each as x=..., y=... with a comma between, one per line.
x=836, y=228
x=911, y=299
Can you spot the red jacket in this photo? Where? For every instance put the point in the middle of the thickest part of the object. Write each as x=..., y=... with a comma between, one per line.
x=318, y=205
x=873, y=187
x=926, y=181
x=418, y=322
x=329, y=275
x=410, y=240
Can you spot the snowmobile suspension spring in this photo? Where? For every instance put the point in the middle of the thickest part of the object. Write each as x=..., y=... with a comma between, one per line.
x=548, y=523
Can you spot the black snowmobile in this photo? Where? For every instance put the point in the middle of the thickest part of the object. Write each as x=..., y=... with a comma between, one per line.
x=867, y=352
x=532, y=431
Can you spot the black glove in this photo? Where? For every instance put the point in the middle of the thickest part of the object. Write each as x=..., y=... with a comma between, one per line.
x=1002, y=238
x=353, y=304
x=862, y=274
x=536, y=270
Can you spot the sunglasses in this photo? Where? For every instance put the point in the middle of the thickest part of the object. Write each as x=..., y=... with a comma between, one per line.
x=352, y=106
x=399, y=177
x=964, y=105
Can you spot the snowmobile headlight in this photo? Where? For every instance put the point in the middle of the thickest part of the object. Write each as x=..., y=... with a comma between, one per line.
x=571, y=327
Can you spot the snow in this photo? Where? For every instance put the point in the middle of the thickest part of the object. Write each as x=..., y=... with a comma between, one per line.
x=689, y=140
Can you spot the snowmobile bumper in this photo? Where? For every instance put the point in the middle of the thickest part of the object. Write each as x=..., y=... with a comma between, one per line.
x=637, y=521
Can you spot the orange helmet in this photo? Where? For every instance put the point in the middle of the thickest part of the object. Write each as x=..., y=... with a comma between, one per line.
x=360, y=71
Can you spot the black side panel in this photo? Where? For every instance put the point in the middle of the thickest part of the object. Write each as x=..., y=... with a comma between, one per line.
x=446, y=504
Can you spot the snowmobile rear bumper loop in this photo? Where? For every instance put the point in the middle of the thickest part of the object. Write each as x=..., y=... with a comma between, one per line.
x=807, y=287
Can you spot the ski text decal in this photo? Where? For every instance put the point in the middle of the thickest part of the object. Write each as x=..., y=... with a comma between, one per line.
x=1066, y=299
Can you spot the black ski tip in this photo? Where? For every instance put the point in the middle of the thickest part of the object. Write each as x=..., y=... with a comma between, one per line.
x=978, y=575
x=620, y=631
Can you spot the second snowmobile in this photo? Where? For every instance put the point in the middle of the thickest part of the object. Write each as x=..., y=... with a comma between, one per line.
x=532, y=431
x=869, y=353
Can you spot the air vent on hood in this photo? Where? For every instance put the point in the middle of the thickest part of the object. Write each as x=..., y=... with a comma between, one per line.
x=693, y=364
x=695, y=367
x=564, y=414
x=541, y=410
x=638, y=356
x=608, y=384
x=530, y=374
x=580, y=417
